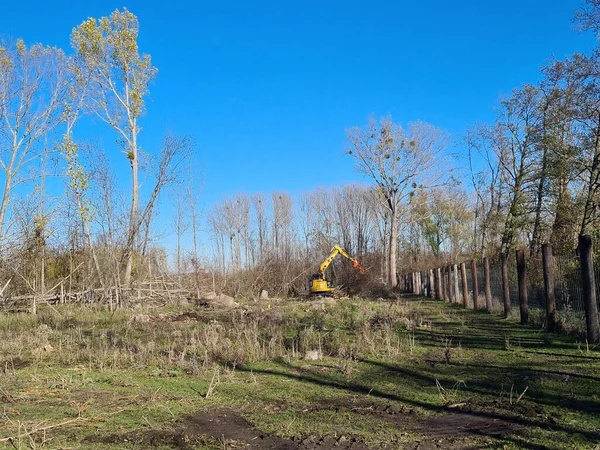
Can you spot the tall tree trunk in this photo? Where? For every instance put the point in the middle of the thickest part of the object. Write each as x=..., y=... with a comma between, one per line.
x=536, y=238
x=393, y=248
x=590, y=214
x=133, y=156
x=4, y=205
x=563, y=236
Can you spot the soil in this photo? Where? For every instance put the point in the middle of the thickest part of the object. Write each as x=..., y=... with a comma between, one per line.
x=230, y=430
x=460, y=430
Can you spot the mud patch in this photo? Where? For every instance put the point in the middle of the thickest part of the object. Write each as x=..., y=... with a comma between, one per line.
x=453, y=430
x=225, y=430
x=237, y=431
x=466, y=425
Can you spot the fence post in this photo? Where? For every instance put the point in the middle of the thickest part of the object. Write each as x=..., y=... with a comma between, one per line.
x=444, y=290
x=586, y=253
x=488, y=284
x=475, y=285
x=450, y=284
x=505, y=284
x=440, y=292
x=522, y=278
x=465, y=288
x=457, y=294
x=548, y=264
x=445, y=281
x=417, y=284
x=455, y=283
x=430, y=293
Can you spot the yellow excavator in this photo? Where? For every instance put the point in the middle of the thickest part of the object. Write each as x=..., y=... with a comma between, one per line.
x=318, y=283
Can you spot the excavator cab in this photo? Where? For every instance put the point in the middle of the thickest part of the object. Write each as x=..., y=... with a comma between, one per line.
x=318, y=283
x=320, y=286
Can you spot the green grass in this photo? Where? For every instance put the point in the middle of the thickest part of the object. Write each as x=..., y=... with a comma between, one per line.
x=390, y=373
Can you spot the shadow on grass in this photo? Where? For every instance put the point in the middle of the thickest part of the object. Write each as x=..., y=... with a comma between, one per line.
x=528, y=371
x=488, y=387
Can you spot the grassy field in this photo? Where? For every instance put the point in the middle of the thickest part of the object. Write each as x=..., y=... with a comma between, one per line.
x=403, y=373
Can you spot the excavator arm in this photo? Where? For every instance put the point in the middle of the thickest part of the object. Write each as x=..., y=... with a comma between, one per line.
x=337, y=250
x=319, y=285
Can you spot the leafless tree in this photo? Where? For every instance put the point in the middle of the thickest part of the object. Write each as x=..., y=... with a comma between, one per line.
x=107, y=51
x=33, y=93
x=400, y=162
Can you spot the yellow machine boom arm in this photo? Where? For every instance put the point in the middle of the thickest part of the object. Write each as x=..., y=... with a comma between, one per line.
x=337, y=250
x=318, y=284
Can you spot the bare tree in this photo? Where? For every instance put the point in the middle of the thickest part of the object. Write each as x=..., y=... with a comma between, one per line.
x=515, y=153
x=481, y=141
x=181, y=225
x=400, y=162
x=33, y=92
x=259, y=203
x=107, y=51
x=282, y=221
x=192, y=191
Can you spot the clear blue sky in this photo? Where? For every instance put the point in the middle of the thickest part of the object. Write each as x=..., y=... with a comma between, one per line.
x=268, y=87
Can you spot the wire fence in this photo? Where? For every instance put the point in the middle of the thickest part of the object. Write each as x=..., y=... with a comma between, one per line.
x=570, y=306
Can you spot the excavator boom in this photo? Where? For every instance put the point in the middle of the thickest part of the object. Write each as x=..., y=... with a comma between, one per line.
x=319, y=285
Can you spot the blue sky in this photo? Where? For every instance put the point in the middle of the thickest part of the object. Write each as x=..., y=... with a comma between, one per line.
x=267, y=88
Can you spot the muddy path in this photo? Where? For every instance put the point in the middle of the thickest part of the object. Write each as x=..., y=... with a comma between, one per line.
x=227, y=429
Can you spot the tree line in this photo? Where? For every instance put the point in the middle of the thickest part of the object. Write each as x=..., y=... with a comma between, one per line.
x=60, y=213
x=532, y=176
x=529, y=177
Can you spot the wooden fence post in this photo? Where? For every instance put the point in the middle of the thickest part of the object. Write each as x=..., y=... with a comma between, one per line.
x=415, y=289
x=505, y=284
x=455, y=283
x=454, y=270
x=488, y=284
x=440, y=291
x=456, y=293
x=475, y=285
x=444, y=289
x=548, y=264
x=586, y=254
x=430, y=293
x=522, y=278
x=450, y=284
x=465, y=288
